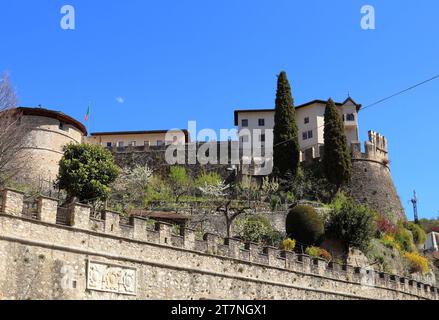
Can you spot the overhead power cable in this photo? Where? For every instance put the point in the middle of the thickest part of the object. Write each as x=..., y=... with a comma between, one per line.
x=379, y=101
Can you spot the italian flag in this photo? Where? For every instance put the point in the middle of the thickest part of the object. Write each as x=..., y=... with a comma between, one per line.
x=87, y=115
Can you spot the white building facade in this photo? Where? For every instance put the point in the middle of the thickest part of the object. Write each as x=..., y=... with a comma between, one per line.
x=257, y=124
x=432, y=243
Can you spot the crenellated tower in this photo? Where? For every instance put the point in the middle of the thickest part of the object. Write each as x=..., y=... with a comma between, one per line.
x=372, y=182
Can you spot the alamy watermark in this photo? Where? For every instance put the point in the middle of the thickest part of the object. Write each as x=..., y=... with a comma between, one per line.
x=68, y=17
x=253, y=147
x=368, y=17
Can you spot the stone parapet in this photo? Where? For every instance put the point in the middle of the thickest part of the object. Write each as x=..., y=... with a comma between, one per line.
x=211, y=247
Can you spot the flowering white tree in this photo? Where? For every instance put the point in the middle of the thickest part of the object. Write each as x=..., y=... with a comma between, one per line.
x=130, y=187
x=215, y=189
x=134, y=179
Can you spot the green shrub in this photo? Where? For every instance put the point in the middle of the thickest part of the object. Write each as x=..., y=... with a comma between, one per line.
x=351, y=223
x=157, y=190
x=86, y=172
x=317, y=252
x=275, y=201
x=416, y=262
x=405, y=239
x=339, y=200
x=273, y=238
x=288, y=244
x=419, y=236
x=253, y=229
x=305, y=225
x=390, y=242
x=204, y=179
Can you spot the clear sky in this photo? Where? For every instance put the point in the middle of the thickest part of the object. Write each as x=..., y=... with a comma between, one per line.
x=157, y=64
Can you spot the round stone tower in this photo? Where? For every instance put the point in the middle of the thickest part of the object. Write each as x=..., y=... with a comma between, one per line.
x=46, y=133
x=372, y=182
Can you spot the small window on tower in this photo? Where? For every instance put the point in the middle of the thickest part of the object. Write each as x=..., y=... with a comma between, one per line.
x=306, y=120
x=244, y=123
x=261, y=122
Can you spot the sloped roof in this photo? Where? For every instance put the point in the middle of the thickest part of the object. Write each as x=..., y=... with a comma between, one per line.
x=28, y=111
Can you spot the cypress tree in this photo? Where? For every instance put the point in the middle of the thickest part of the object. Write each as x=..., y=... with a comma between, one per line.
x=286, y=143
x=336, y=157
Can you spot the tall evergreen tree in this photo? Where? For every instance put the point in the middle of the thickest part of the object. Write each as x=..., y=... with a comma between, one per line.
x=336, y=157
x=286, y=150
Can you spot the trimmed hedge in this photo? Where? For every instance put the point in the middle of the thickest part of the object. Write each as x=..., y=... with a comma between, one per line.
x=305, y=225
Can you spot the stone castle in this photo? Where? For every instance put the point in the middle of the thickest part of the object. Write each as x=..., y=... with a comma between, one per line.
x=51, y=252
x=63, y=253
x=371, y=184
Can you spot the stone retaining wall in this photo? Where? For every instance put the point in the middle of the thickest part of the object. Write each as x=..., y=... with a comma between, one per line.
x=104, y=259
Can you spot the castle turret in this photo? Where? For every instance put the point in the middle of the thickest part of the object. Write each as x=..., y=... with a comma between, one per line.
x=46, y=133
x=372, y=182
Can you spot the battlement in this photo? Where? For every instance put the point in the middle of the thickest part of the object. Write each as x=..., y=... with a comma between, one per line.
x=147, y=233
x=375, y=149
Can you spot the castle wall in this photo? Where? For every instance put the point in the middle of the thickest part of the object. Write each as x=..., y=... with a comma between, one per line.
x=155, y=158
x=104, y=259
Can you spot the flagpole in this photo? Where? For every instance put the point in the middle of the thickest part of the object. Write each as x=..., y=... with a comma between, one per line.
x=89, y=117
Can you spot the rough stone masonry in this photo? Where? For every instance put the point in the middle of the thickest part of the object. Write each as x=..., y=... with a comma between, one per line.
x=105, y=259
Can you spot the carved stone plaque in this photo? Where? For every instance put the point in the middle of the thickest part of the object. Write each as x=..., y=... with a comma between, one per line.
x=111, y=278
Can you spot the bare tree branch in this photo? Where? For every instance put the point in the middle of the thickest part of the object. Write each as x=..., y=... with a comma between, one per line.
x=8, y=96
x=13, y=155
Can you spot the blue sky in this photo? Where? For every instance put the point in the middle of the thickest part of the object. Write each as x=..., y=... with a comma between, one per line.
x=174, y=61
